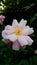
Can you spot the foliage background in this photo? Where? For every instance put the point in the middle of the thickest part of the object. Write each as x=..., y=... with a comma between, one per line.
x=18, y=9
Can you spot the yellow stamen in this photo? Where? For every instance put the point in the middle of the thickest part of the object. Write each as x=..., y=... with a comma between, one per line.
x=18, y=32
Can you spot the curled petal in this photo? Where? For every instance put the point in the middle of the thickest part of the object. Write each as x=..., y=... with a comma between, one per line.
x=29, y=40
x=28, y=30
x=4, y=35
x=8, y=32
x=8, y=27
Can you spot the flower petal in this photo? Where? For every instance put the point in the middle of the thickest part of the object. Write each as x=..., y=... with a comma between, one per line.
x=22, y=23
x=1, y=22
x=2, y=19
x=30, y=41
x=27, y=30
x=15, y=46
x=12, y=37
x=22, y=40
x=15, y=23
x=1, y=16
x=8, y=27
x=4, y=35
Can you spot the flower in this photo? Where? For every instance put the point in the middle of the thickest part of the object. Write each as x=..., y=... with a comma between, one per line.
x=2, y=19
x=2, y=6
x=18, y=34
x=35, y=51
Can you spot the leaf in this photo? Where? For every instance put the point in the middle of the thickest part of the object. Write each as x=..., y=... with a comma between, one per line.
x=29, y=6
x=32, y=19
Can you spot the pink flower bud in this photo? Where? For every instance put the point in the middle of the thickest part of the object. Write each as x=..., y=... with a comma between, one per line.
x=35, y=51
x=1, y=19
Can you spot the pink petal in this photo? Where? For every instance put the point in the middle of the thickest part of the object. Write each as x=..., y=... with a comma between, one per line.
x=8, y=27
x=22, y=23
x=1, y=16
x=12, y=37
x=8, y=32
x=29, y=40
x=27, y=30
x=1, y=22
x=15, y=23
x=4, y=35
x=15, y=46
x=22, y=41
x=2, y=19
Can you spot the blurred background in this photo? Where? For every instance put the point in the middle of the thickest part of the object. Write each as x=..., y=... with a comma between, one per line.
x=18, y=9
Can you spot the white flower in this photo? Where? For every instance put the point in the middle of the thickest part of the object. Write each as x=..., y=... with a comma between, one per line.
x=18, y=34
x=2, y=6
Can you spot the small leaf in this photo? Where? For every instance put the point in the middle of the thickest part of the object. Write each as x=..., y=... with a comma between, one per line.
x=32, y=19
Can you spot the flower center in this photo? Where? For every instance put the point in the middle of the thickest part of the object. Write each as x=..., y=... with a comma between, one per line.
x=18, y=32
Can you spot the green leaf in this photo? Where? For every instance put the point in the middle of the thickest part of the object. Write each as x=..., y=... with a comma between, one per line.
x=32, y=19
